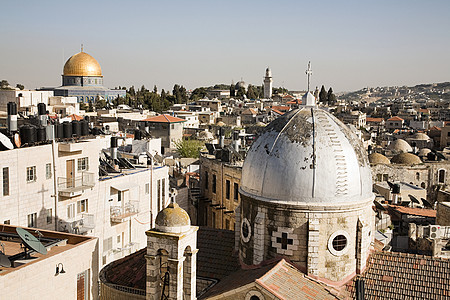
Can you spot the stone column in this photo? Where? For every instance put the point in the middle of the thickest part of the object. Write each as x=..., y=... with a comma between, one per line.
x=258, y=237
x=237, y=228
x=153, y=286
x=313, y=246
x=190, y=266
x=176, y=278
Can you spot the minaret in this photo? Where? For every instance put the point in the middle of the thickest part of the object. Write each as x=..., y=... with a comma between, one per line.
x=268, y=84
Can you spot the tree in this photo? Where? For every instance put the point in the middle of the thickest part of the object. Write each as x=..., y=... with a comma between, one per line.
x=100, y=103
x=331, y=97
x=155, y=89
x=252, y=93
x=4, y=84
x=189, y=148
x=232, y=90
x=90, y=106
x=323, y=95
x=20, y=86
x=240, y=93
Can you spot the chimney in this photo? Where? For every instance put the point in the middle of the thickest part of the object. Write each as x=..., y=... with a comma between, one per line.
x=12, y=116
x=113, y=148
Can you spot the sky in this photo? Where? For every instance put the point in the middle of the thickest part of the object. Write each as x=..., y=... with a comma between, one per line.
x=351, y=44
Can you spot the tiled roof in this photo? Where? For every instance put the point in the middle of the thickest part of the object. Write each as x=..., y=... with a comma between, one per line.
x=374, y=120
x=395, y=119
x=435, y=128
x=165, y=119
x=215, y=259
x=277, y=111
x=391, y=275
x=423, y=212
x=281, y=279
x=249, y=111
x=296, y=101
x=281, y=108
x=76, y=117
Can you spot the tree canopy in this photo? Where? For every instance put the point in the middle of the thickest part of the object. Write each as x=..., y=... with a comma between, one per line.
x=323, y=95
x=189, y=148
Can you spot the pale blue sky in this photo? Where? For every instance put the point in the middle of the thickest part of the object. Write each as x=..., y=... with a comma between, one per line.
x=351, y=44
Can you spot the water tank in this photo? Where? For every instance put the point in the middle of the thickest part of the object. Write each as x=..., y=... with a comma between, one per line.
x=40, y=134
x=67, y=130
x=137, y=134
x=28, y=134
x=50, y=132
x=95, y=131
x=12, y=108
x=12, y=116
x=59, y=131
x=113, y=142
x=396, y=188
x=76, y=128
x=84, y=127
x=41, y=109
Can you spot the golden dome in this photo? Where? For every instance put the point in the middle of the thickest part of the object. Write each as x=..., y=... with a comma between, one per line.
x=82, y=64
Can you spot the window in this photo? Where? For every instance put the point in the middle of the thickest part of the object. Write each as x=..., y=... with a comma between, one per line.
x=31, y=174
x=82, y=206
x=118, y=239
x=107, y=244
x=83, y=164
x=417, y=176
x=71, y=211
x=246, y=230
x=214, y=184
x=48, y=171
x=227, y=189
x=119, y=196
x=227, y=224
x=236, y=192
x=147, y=188
x=49, y=216
x=339, y=242
x=83, y=285
x=32, y=220
x=385, y=177
x=379, y=177
x=6, y=181
x=441, y=176
x=206, y=180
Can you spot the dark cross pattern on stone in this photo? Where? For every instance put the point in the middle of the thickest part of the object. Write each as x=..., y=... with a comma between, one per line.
x=284, y=241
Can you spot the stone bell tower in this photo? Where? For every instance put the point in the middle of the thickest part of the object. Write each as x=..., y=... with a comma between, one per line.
x=268, y=84
x=171, y=256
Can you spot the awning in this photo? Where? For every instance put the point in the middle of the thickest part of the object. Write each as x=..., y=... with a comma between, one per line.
x=123, y=186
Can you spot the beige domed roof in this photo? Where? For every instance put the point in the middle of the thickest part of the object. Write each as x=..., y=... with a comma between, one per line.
x=377, y=158
x=423, y=152
x=82, y=64
x=419, y=136
x=406, y=159
x=173, y=219
x=400, y=146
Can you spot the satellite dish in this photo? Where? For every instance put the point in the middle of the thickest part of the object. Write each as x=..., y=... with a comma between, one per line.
x=414, y=199
x=17, y=140
x=4, y=261
x=30, y=241
x=6, y=142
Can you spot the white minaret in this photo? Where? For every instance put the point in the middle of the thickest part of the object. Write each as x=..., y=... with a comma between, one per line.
x=268, y=84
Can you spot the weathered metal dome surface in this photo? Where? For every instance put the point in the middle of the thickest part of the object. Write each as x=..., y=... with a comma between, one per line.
x=400, y=146
x=307, y=156
x=406, y=159
x=377, y=158
x=173, y=219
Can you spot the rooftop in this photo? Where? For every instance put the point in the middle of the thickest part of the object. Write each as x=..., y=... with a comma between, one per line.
x=165, y=119
x=423, y=212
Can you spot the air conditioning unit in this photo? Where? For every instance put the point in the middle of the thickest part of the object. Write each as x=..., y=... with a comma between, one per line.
x=435, y=231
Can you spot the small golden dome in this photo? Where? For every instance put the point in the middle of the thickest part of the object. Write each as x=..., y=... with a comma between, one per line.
x=82, y=64
x=173, y=219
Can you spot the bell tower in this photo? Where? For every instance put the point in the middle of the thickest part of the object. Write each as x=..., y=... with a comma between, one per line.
x=171, y=256
x=268, y=84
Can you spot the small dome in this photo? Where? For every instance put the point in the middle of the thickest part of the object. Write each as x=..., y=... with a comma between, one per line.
x=173, y=219
x=240, y=84
x=419, y=136
x=400, y=146
x=423, y=152
x=82, y=64
x=377, y=158
x=406, y=159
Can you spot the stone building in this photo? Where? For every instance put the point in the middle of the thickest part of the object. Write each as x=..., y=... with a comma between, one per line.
x=268, y=84
x=220, y=182
x=168, y=128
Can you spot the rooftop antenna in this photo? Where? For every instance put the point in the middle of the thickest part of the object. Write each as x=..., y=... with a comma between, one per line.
x=309, y=73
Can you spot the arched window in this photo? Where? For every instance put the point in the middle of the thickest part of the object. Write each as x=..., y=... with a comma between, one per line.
x=441, y=176
x=418, y=176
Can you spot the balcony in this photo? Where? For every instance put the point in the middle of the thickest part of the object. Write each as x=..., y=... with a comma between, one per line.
x=72, y=187
x=81, y=226
x=121, y=213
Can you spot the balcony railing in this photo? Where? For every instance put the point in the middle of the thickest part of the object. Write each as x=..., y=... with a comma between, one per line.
x=81, y=226
x=120, y=213
x=71, y=187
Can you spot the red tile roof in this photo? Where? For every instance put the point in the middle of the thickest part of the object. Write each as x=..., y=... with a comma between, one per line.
x=296, y=101
x=249, y=111
x=395, y=119
x=435, y=128
x=393, y=275
x=281, y=108
x=277, y=111
x=423, y=212
x=76, y=117
x=374, y=120
x=165, y=119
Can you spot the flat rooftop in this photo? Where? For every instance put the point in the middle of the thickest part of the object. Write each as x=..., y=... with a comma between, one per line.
x=55, y=243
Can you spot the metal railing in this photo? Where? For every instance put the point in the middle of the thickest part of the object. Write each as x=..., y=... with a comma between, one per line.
x=83, y=225
x=85, y=180
x=119, y=213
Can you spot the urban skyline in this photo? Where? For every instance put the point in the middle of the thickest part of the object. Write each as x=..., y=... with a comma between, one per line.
x=350, y=45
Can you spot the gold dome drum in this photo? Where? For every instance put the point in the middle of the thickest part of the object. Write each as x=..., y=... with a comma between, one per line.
x=82, y=64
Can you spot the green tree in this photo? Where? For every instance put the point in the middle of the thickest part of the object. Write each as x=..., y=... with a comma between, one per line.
x=252, y=93
x=155, y=89
x=232, y=90
x=331, y=97
x=198, y=93
x=323, y=95
x=189, y=148
x=90, y=106
x=20, y=86
x=101, y=103
x=240, y=92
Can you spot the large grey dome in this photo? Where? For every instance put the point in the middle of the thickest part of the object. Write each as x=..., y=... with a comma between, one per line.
x=307, y=156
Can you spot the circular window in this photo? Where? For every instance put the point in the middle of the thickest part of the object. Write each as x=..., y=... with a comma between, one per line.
x=246, y=230
x=338, y=243
x=254, y=298
x=254, y=295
